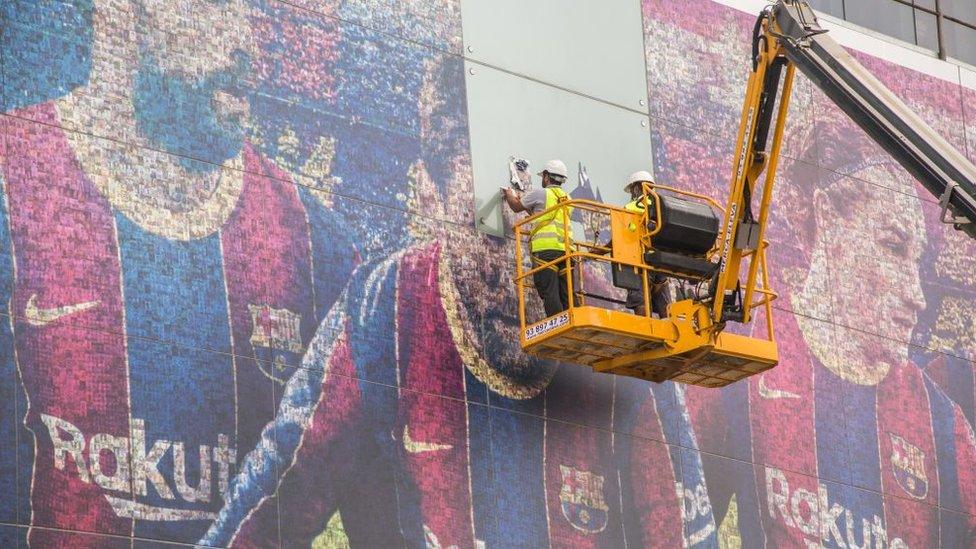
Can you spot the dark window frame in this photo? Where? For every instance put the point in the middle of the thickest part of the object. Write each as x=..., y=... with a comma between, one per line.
x=940, y=18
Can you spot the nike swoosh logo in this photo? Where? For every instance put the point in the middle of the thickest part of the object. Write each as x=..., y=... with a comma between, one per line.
x=36, y=316
x=414, y=447
x=773, y=394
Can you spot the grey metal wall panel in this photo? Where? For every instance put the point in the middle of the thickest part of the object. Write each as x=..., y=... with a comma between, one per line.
x=593, y=48
x=510, y=115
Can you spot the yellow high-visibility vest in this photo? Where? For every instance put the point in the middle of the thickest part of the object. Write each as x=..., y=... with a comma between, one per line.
x=636, y=206
x=549, y=232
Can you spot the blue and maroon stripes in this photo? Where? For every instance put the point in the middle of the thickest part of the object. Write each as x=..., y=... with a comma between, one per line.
x=908, y=457
x=73, y=366
x=433, y=429
x=266, y=247
x=113, y=317
x=16, y=445
x=180, y=389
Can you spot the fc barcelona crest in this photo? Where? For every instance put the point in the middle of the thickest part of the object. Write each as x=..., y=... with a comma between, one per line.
x=276, y=339
x=581, y=499
x=908, y=466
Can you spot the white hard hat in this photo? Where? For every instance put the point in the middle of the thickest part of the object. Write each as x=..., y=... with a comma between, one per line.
x=555, y=167
x=638, y=177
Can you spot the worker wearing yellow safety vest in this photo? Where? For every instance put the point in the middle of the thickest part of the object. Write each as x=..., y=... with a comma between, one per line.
x=658, y=283
x=549, y=234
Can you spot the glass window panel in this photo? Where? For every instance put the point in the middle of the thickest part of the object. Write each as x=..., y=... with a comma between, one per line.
x=960, y=42
x=885, y=16
x=930, y=4
x=926, y=31
x=833, y=7
x=963, y=10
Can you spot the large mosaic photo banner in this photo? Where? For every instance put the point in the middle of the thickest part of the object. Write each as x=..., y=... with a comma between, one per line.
x=243, y=302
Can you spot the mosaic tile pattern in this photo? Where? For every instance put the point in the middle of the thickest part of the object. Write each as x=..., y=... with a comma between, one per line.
x=243, y=302
x=866, y=420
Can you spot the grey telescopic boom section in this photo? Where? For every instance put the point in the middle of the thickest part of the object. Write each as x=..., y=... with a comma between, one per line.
x=942, y=170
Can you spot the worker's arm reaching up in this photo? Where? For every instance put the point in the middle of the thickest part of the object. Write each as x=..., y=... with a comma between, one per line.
x=513, y=200
x=533, y=201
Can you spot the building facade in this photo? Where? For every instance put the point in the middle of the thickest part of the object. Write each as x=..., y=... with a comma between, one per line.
x=256, y=287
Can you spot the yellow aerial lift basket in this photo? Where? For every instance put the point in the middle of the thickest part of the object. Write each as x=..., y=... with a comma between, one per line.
x=597, y=331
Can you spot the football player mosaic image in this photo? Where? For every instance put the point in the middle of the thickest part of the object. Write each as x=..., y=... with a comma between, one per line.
x=247, y=305
x=875, y=373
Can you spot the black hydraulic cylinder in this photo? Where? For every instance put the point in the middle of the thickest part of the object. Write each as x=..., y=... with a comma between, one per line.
x=942, y=169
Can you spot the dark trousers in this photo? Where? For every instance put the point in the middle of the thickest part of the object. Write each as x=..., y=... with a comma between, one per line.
x=659, y=297
x=551, y=282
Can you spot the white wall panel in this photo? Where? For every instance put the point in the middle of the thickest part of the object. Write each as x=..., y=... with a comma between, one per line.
x=593, y=48
x=509, y=114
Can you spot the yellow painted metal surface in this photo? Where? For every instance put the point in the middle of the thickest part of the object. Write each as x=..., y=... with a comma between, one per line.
x=626, y=228
x=621, y=343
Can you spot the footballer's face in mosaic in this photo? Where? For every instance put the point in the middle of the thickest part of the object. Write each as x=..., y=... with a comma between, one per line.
x=169, y=95
x=188, y=93
x=867, y=251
